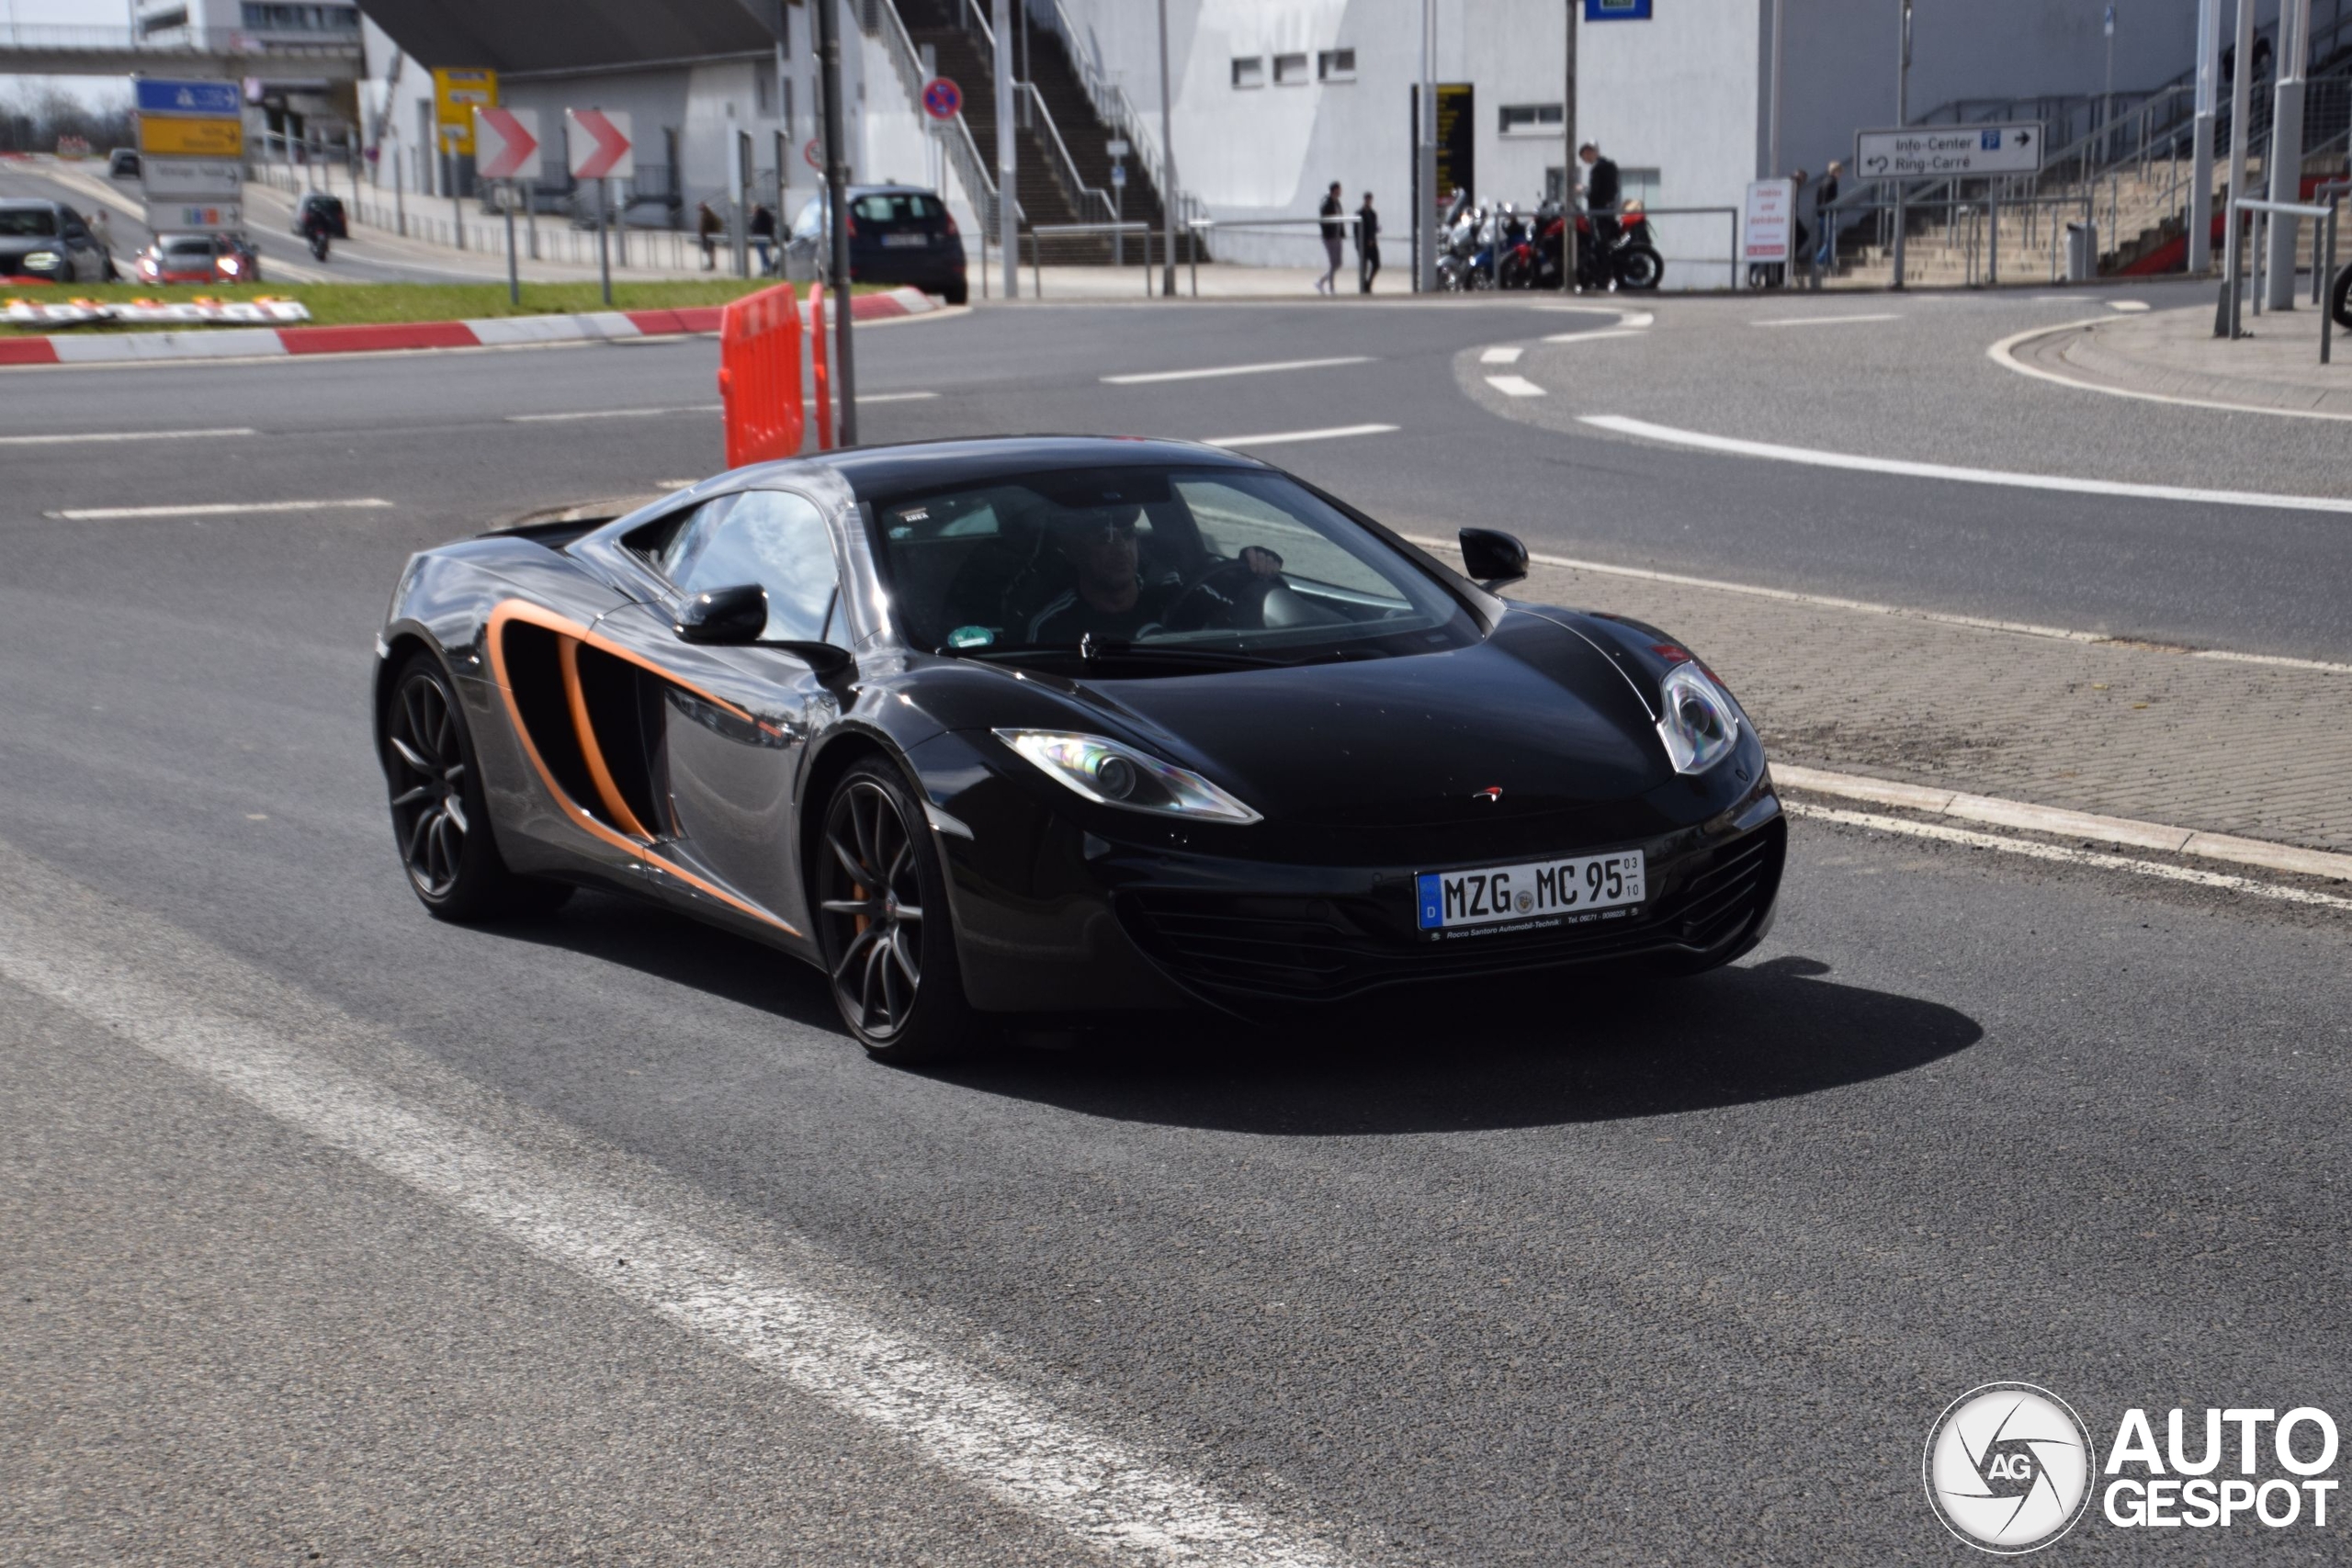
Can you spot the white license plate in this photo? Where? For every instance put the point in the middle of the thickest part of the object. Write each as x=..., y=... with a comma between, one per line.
x=905, y=242
x=1546, y=892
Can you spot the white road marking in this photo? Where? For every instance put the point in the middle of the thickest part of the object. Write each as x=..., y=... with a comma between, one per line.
x=2127, y=304
x=1628, y=318
x=1870, y=607
x=2004, y=354
x=1335, y=432
x=1514, y=386
x=779, y=1305
x=125, y=436
x=1501, y=357
x=215, y=508
x=1592, y=337
x=2035, y=849
x=1825, y=320
x=612, y=413
x=2061, y=482
x=2126, y=830
x=1140, y=378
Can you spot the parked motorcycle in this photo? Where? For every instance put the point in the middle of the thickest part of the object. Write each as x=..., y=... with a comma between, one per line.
x=1514, y=248
x=1629, y=259
x=1463, y=261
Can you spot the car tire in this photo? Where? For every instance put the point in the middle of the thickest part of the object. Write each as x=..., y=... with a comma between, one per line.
x=896, y=980
x=2339, y=298
x=440, y=816
x=958, y=293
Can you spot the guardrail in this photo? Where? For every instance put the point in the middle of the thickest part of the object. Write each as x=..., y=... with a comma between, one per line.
x=2261, y=240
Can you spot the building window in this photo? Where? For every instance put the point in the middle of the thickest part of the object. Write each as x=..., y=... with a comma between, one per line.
x=1532, y=120
x=1335, y=65
x=1634, y=185
x=163, y=21
x=272, y=18
x=1249, y=71
x=763, y=90
x=1290, y=71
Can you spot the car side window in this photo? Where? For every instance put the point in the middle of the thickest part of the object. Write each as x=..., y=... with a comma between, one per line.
x=772, y=537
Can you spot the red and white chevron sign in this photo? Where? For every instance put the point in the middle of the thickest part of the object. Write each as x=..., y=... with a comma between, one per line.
x=600, y=145
x=506, y=142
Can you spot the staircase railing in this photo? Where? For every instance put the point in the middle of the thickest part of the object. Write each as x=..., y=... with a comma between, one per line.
x=1084, y=199
x=963, y=152
x=1116, y=110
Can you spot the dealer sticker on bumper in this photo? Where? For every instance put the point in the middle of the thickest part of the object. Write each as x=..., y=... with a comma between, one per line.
x=1542, y=892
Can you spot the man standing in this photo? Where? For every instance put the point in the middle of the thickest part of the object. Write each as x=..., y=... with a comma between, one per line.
x=707, y=228
x=1367, y=242
x=1825, y=196
x=1335, y=229
x=763, y=236
x=1602, y=191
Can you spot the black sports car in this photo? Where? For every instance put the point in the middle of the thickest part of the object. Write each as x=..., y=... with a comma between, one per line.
x=1056, y=725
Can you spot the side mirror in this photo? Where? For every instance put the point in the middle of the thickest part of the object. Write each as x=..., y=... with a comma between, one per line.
x=732, y=616
x=1491, y=557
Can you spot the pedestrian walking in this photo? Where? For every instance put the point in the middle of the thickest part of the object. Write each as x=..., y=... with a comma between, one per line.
x=763, y=236
x=1825, y=196
x=707, y=228
x=1335, y=229
x=1367, y=243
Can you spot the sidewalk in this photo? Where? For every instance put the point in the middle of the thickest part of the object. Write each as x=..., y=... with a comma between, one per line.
x=2174, y=353
x=2123, y=729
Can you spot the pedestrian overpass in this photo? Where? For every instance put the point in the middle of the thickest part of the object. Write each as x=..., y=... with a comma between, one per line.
x=40, y=50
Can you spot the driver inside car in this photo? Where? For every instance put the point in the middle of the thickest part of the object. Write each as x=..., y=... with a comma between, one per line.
x=1114, y=599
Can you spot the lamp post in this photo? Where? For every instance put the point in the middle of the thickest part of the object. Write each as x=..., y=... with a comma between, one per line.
x=1569, y=145
x=2285, y=163
x=828, y=67
x=2241, y=106
x=2200, y=179
x=1902, y=118
x=1008, y=155
x=1166, y=171
x=1425, y=221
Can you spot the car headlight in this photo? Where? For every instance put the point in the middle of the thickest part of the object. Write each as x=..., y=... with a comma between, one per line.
x=42, y=260
x=1108, y=774
x=1701, y=722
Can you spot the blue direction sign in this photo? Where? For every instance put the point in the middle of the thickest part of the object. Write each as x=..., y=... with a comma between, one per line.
x=215, y=100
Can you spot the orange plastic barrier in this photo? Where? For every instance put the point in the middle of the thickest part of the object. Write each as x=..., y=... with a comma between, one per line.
x=817, y=372
x=759, y=376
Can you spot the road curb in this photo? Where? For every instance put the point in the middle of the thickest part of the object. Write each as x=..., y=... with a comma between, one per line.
x=494, y=332
x=2062, y=823
x=2069, y=354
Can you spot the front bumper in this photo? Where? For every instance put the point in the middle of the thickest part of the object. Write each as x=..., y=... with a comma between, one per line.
x=1054, y=914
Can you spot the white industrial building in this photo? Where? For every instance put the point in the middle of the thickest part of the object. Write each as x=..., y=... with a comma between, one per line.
x=1274, y=99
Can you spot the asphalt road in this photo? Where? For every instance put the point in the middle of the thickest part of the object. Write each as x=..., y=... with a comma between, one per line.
x=1521, y=1276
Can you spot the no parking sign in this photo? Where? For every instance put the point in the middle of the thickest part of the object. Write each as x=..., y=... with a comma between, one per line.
x=942, y=98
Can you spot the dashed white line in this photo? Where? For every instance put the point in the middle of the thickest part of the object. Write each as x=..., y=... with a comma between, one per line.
x=1827, y=321
x=541, y=1190
x=1500, y=356
x=215, y=508
x=2064, y=483
x=1139, y=378
x=1514, y=386
x=103, y=435
x=2128, y=305
x=1335, y=432
x=2065, y=854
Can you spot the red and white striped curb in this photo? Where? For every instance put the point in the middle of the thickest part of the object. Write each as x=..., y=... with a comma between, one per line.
x=247, y=343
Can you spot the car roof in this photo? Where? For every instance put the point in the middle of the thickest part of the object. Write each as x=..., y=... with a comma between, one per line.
x=925, y=465
x=22, y=203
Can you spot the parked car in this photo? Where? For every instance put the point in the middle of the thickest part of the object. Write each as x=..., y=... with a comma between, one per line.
x=199, y=258
x=49, y=240
x=325, y=206
x=896, y=234
x=122, y=163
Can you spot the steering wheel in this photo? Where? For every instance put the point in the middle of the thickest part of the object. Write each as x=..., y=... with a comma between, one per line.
x=1231, y=596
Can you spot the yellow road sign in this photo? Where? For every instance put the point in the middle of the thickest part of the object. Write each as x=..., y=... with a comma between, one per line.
x=457, y=91
x=172, y=137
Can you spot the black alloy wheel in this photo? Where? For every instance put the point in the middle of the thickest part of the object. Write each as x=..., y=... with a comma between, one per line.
x=882, y=920
x=1640, y=268
x=439, y=819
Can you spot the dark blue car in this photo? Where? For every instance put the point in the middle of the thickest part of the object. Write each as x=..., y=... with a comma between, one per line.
x=900, y=234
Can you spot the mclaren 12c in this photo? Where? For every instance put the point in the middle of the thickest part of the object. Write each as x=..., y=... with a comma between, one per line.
x=1033, y=726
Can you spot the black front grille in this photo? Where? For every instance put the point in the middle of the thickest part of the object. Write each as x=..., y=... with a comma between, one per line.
x=1321, y=949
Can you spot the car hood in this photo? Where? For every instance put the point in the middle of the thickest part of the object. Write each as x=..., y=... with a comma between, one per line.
x=1532, y=722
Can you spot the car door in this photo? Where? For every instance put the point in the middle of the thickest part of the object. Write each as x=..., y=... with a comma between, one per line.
x=87, y=258
x=732, y=724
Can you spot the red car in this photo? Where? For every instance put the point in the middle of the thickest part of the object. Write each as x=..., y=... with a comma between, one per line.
x=199, y=258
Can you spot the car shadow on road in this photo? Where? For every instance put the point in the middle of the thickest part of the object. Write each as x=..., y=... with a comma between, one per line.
x=1528, y=1054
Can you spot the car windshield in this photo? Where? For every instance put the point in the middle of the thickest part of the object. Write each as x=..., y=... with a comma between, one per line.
x=1174, y=569
x=183, y=250
x=895, y=207
x=27, y=222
